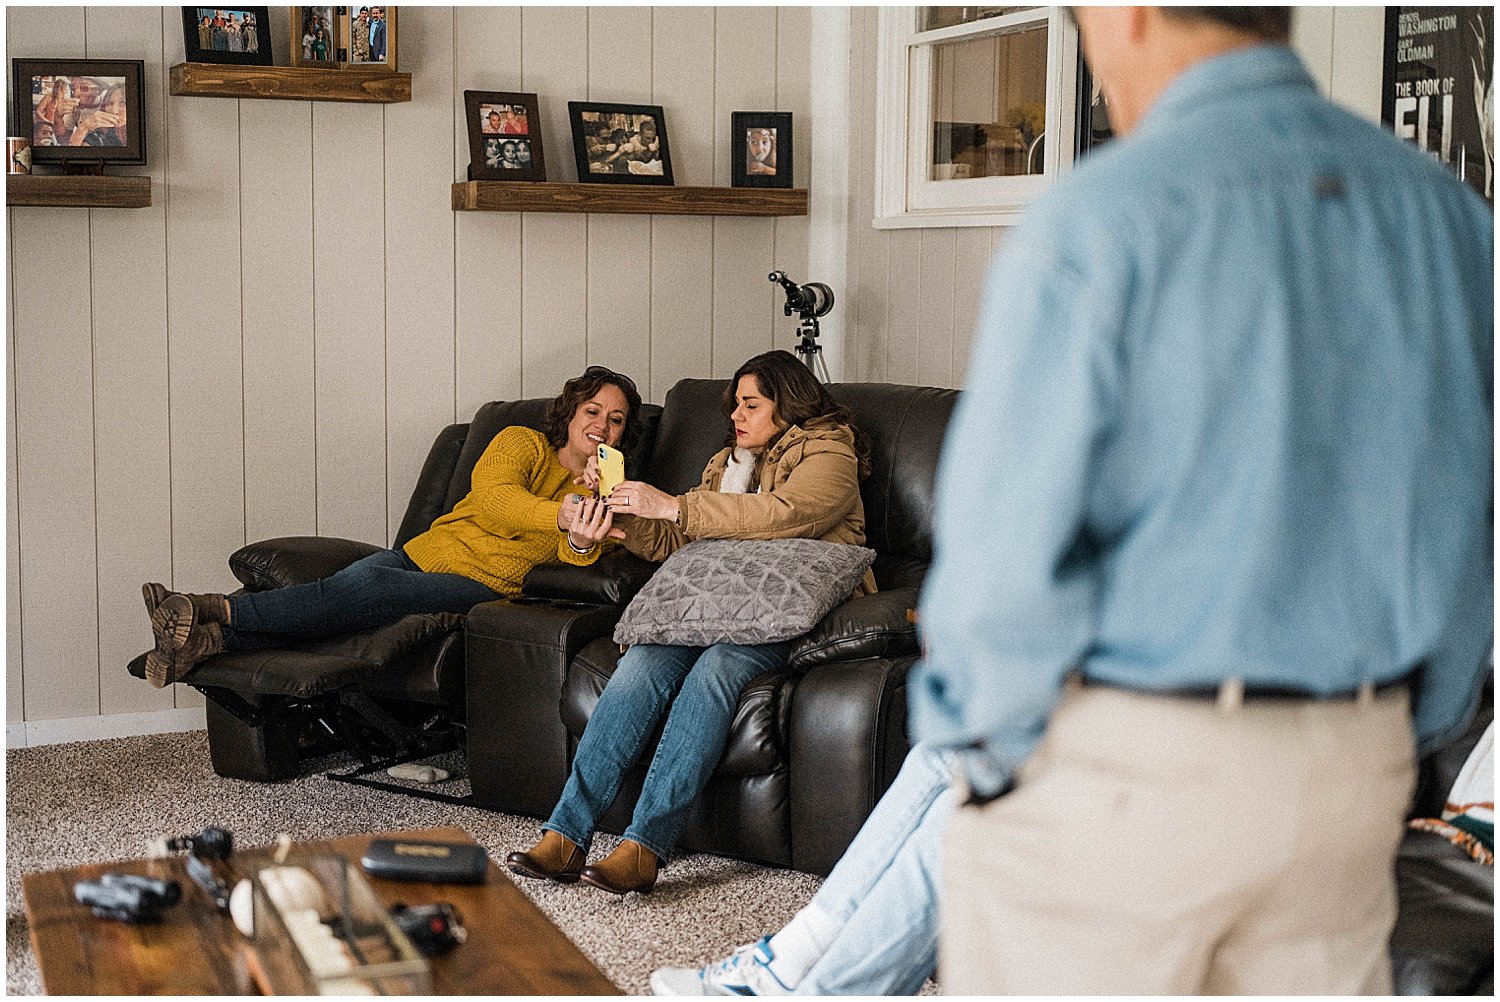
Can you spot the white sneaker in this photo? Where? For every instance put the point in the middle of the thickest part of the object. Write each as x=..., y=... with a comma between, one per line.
x=746, y=971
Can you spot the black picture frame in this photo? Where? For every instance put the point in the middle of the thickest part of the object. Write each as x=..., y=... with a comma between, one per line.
x=1436, y=70
x=747, y=168
x=593, y=153
x=192, y=39
x=32, y=81
x=511, y=111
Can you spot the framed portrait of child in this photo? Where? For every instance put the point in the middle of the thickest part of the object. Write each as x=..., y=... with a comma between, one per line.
x=761, y=147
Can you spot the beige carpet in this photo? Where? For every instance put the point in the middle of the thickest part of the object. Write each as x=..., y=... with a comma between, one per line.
x=102, y=800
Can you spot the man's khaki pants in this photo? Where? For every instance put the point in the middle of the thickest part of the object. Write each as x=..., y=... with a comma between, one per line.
x=1164, y=845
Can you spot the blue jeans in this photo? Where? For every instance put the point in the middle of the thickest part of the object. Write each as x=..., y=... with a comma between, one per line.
x=372, y=591
x=701, y=687
x=884, y=890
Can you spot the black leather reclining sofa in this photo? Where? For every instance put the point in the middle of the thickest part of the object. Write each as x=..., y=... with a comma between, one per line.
x=812, y=747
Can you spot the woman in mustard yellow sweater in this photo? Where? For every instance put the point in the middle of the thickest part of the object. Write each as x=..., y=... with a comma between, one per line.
x=516, y=515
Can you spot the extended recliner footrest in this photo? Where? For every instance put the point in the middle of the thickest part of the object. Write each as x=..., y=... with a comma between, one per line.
x=264, y=704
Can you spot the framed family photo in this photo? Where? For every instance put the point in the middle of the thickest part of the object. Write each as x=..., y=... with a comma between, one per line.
x=368, y=37
x=505, y=137
x=761, y=145
x=315, y=37
x=227, y=35
x=81, y=110
x=620, y=143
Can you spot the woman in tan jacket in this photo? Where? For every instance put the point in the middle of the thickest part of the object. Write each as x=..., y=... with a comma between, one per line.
x=792, y=470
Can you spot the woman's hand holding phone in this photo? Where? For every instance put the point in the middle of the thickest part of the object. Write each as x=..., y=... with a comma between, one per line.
x=592, y=524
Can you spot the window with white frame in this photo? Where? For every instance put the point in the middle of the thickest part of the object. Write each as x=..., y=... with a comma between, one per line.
x=975, y=112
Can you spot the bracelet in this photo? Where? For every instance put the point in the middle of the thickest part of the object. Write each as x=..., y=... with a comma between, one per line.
x=573, y=546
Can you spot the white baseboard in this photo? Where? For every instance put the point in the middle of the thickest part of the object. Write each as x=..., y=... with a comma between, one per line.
x=31, y=733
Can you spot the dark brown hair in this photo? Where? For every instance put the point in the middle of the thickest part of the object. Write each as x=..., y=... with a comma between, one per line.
x=796, y=398
x=1271, y=24
x=581, y=388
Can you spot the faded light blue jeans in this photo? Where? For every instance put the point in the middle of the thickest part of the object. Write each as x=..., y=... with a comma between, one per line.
x=372, y=591
x=883, y=892
x=697, y=689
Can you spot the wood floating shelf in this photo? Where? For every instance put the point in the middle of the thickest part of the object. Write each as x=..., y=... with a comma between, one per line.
x=663, y=200
x=87, y=191
x=290, y=83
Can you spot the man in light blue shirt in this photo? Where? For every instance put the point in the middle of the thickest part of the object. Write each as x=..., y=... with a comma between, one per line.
x=1213, y=533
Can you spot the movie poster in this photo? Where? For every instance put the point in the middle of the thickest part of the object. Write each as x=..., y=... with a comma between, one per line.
x=1439, y=86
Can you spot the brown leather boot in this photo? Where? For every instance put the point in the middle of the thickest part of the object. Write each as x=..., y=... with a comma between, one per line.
x=209, y=608
x=164, y=667
x=552, y=858
x=181, y=640
x=631, y=867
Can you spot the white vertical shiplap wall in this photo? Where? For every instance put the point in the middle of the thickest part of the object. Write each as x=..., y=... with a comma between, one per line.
x=270, y=348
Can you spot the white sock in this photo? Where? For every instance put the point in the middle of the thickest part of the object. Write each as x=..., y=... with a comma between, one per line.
x=801, y=943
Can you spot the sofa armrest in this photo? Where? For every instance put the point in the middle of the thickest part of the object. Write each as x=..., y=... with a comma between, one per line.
x=847, y=736
x=613, y=579
x=517, y=652
x=291, y=560
x=871, y=626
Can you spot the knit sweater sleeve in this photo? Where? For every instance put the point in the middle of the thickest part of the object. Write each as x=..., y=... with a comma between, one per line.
x=501, y=493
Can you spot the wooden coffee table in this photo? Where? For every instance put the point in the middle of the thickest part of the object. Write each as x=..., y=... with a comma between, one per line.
x=512, y=949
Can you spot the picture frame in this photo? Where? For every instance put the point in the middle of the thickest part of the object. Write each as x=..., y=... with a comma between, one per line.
x=367, y=37
x=315, y=38
x=760, y=144
x=1437, y=73
x=240, y=35
x=83, y=101
x=620, y=143
x=505, y=136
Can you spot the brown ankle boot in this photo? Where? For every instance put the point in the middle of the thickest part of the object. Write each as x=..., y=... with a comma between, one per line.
x=631, y=867
x=552, y=858
x=164, y=667
x=182, y=640
x=208, y=608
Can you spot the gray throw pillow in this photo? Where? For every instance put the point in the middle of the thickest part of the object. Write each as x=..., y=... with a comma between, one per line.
x=742, y=591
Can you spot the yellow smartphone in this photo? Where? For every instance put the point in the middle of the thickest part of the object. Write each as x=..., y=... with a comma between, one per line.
x=611, y=470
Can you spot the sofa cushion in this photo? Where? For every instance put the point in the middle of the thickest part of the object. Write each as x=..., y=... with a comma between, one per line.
x=692, y=429
x=742, y=591
x=906, y=426
x=757, y=737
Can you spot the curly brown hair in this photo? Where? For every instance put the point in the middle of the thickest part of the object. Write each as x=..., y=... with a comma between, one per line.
x=796, y=397
x=581, y=388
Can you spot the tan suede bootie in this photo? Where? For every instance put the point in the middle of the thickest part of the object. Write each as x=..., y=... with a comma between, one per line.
x=631, y=867
x=552, y=858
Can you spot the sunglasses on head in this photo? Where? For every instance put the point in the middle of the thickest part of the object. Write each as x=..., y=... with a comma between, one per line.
x=608, y=373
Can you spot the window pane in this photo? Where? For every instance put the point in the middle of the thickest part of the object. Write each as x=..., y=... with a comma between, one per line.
x=989, y=105
x=947, y=17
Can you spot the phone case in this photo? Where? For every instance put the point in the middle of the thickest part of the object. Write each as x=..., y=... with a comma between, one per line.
x=434, y=862
x=611, y=469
